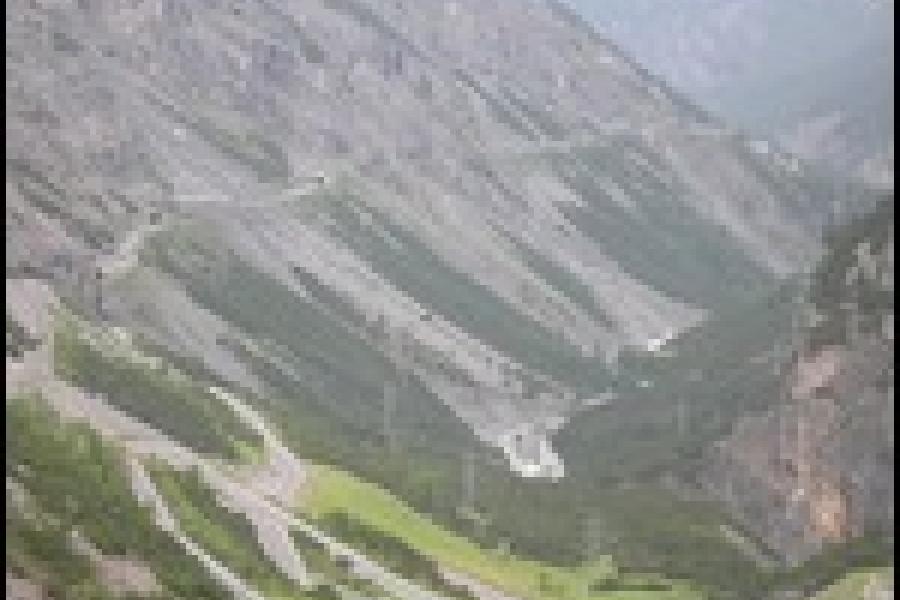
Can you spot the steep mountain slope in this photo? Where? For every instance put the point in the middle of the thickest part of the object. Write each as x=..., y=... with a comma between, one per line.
x=490, y=241
x=819, y=467
x=415, y=237
x=782, y=410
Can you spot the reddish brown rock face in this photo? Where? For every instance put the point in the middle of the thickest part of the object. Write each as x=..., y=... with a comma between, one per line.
x=791, y=461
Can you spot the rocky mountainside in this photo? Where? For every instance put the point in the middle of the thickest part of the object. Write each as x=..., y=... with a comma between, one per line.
x=410, y=242
x=482, y=207
x=819, y=466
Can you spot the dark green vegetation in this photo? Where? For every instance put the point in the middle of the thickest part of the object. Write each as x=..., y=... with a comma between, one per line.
x=227, y=536
x=17, y=339
x=156, y=393
x=392, y=552
x=873, y=550
x=855, y=584
x=844, y=293
x=77, y=482
x=318, y=560
x=661, y=239
x=40, y=553
x=672, y=404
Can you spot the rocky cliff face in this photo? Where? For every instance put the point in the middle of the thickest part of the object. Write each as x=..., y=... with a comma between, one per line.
x=818, y=468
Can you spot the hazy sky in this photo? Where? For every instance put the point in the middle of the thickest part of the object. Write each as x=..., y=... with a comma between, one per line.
x=725, y=52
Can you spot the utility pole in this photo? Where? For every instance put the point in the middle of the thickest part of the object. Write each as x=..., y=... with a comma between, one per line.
x=681, y=417
x=388, y=407
x=468, y=481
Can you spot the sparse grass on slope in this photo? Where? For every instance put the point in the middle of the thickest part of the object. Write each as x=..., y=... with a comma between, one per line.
x=854, y=585
x=871, y=552
x=78, y=482
x=318, y=559
x=228, y=536
x=151, y=390
x=40, y=552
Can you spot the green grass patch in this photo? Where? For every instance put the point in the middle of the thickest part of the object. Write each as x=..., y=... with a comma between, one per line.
x=853, y=586
x=40, y=552
x=392, y=552
x=377, y=513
